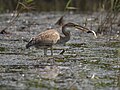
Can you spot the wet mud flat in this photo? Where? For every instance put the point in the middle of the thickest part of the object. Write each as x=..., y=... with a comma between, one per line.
x=88, y=63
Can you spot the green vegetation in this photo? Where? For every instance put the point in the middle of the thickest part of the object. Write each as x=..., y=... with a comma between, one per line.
x=62, y=5
x=2, y=49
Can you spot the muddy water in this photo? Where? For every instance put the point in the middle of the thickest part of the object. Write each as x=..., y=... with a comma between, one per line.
x=86, y=64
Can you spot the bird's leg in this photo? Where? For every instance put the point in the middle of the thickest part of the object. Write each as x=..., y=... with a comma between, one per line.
x=62, y=52
x=51, y=48
x=45, y=51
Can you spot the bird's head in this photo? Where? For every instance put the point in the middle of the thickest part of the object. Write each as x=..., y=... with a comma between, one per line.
x=84, y=29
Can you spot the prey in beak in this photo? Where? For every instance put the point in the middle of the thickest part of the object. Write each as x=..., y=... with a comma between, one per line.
x=84, y=29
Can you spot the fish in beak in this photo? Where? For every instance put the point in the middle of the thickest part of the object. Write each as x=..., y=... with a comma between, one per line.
x=84, y=29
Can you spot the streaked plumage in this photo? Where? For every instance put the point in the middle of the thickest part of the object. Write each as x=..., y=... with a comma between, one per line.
x=45, y=40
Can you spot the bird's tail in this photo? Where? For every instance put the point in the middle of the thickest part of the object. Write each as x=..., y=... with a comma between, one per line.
x=30, y=43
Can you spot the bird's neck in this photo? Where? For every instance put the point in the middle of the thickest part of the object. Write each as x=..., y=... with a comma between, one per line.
x=66, y=33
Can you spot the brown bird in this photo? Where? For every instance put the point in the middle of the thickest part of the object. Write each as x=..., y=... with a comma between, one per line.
x=50, y=37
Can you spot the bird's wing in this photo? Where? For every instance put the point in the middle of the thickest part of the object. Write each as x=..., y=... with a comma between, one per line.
x=48, y=37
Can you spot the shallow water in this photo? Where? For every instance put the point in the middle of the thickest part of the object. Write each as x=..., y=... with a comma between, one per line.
x=88, y=63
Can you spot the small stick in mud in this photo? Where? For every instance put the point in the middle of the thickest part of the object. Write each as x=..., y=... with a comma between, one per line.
x=60, y=21
x=19, y=8
x=4, y=32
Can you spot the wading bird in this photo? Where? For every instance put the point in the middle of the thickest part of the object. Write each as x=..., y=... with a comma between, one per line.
x=50, y=37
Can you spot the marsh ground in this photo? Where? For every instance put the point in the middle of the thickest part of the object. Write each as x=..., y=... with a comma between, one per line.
x=88, y=63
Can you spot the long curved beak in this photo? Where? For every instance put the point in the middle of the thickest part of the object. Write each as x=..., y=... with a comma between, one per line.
x=91, y=31
x=84, y=29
